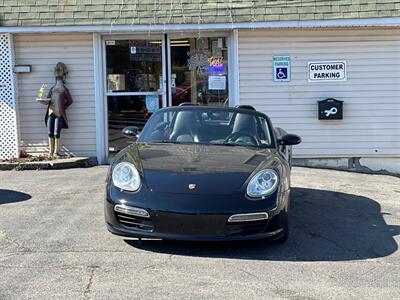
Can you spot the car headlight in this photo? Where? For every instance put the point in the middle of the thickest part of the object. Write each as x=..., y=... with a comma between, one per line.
x=263, y=183
x=126, y=177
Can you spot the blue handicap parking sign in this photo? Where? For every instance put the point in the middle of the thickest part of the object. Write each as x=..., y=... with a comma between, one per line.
x=281, y=68
x=281, y=73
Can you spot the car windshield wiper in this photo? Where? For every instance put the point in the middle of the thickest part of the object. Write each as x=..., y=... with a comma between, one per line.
x=165, y=142
x=238, y=145
x=229, y=144
x=173, y=142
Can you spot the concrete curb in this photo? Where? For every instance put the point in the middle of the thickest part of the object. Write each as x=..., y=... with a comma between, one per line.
x=353, y=170
x=379, y=166
x=67, y=163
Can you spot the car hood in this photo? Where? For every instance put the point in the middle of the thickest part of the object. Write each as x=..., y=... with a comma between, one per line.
x=213, y=169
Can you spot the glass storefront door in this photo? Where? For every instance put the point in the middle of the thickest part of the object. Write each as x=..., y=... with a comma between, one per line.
x=135, y=85
x=199, y=71
x=142, y=77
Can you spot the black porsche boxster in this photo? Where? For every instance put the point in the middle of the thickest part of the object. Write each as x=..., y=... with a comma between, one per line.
x=202, y=173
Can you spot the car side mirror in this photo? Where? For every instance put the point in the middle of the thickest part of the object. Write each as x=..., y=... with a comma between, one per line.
x=131, y=132
x=290, y=139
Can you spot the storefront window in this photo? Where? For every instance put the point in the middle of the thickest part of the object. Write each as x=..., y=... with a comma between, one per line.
x=199, y=71
x=133, y=65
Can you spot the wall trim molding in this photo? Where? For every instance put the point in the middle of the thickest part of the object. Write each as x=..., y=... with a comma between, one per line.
x=367, y=22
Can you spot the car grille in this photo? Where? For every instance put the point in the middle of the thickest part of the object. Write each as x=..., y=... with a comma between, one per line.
x=189, y=224
x=134, y=222
x=205, y=225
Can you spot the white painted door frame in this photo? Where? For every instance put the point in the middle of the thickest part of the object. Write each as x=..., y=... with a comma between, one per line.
x=100, y=78
x=101, y=92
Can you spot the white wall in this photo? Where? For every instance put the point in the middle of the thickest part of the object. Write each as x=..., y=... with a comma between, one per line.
x=43, y=51
x=371, y=95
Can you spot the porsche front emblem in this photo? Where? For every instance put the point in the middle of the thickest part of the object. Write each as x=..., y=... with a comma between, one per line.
x=192, y=186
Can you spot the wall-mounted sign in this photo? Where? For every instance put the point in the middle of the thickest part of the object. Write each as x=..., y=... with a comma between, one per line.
x=22, y=68
x=145, y=53
x=216, y=66
x=330, y=109
x=147, y=50
x=152, y=103
x=327, y=71
x=216, y=70
x=173, y=80
x=217, y=82
x=281, y=68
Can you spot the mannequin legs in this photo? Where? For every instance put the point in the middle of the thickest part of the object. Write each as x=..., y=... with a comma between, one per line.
x=51, y=146
x=54, y=125
x=57, y=145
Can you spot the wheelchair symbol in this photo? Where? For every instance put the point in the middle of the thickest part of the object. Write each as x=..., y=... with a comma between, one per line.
x=281, y=73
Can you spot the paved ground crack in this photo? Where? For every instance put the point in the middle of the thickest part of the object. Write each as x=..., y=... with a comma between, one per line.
x=13, y=241
x=89, y=285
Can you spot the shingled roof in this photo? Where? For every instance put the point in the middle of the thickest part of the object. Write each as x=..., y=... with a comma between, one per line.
x=143, y=12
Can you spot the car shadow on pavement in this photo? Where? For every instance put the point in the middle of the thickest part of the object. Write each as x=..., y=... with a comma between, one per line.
x=10, y=196
x=325, y=226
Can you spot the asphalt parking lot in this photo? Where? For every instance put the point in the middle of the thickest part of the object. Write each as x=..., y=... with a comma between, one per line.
x=344, y=240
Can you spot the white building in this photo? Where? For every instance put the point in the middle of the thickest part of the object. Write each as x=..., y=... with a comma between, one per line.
x=120, y=62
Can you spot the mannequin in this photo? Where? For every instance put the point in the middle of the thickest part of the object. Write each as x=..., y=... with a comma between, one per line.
x=56, y=117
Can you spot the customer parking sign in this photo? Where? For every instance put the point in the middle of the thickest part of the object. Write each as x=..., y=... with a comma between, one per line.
x=281, y=68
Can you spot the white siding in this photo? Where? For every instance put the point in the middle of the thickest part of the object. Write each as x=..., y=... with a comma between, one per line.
x=371, y=95
x=43, y=51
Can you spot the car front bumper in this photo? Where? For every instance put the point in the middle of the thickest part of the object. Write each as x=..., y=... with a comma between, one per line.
x=198, y=225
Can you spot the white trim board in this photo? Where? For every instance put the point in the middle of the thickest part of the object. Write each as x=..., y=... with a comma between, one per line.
x=101, y=107
x=233, y=66
x=367, y=22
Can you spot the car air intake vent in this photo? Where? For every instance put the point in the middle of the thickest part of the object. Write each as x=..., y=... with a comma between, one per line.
x=245, y=228
x=134, y=222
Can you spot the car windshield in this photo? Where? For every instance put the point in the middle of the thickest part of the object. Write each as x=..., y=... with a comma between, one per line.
x=208, y=125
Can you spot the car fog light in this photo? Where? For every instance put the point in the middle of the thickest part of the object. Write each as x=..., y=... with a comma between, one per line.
x=133, y=211
x=248, y=217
